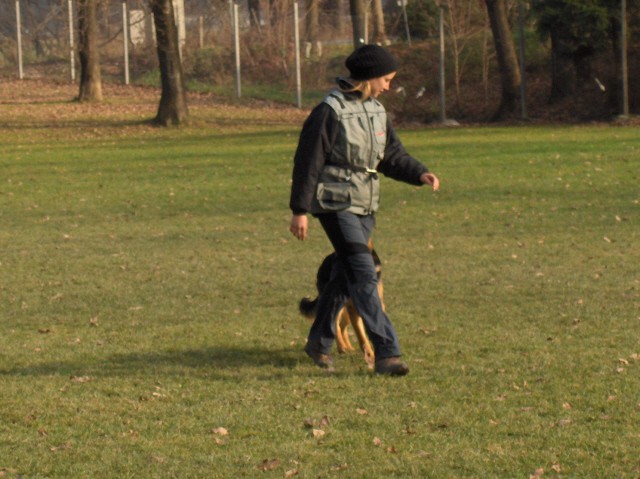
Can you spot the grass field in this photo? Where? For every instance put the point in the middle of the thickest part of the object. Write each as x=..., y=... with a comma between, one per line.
x=149, y=291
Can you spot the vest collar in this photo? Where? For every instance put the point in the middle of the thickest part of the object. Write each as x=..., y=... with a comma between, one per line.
x=345, y=84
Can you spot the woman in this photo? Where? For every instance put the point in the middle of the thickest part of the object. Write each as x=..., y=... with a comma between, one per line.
x=345, y=142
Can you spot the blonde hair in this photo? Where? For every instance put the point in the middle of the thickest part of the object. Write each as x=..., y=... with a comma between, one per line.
x=361, y=86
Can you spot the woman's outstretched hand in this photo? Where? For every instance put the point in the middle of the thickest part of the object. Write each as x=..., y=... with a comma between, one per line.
x=430, y=179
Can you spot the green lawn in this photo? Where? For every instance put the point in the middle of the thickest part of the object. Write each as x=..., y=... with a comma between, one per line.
x=149, y=289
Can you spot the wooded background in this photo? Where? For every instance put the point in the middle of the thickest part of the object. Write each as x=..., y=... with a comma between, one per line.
x=573, y=50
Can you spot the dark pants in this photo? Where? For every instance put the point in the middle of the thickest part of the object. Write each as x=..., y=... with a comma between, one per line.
x=353, y=276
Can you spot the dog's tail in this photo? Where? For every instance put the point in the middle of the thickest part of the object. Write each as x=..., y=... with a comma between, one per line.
x=308, y=307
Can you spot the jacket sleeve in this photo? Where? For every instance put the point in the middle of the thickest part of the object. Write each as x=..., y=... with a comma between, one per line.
x=397, y=163
x=316, y=141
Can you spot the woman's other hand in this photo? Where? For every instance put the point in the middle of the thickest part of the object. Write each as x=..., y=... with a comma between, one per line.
x=298, y=226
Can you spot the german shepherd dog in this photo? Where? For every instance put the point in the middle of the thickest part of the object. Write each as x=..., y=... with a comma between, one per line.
x=348, y=315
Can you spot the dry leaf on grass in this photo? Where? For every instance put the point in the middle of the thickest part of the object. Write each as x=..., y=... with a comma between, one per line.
x=80, y=379
x=61, y=447
x=312, y=423
x=219, y=433
x=537, y=474
x=269, y=464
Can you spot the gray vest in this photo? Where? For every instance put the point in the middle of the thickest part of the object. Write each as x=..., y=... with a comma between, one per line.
x=349, y=180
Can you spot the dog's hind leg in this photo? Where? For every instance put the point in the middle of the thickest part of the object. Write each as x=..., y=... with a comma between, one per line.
x=358, y=327
x=363, y=340
x=342, y=335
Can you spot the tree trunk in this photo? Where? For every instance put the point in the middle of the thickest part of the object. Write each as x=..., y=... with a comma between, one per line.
x=255, y=13
x=613, y=76
x=173, y=104
x=507, y=59
x=379, y=31
x=312, y=25
x=562, y=75
x=90, y=78
x=312, y=22
x=358, y=19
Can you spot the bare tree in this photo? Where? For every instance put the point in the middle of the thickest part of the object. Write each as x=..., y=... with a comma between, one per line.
x=507, y=59
x=358, y=19
x=312, y=21
x=255, y=12
x=173, y=103
x=465, y=20
x=379, y=31
x=90, y=77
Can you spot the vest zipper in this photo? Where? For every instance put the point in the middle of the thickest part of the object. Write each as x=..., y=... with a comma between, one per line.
x=370, y=159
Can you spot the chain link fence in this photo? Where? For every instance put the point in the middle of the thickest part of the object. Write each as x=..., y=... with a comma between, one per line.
x=38, y=40
x=48, y=50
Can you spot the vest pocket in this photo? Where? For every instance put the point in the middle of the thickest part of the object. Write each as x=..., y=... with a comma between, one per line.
x=334, y=196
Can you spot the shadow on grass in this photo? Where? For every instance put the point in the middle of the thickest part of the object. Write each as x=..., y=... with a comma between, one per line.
x=215, y=362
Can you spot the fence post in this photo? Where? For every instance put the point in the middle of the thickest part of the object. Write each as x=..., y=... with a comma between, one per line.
x=125, y=41
x=296, y=41
x=625, y=68
x=441, y=82
x=236, y=42
x=72, y=53
x=366, y=23
x=403, y=4
x=523, y=81
x=19, y=40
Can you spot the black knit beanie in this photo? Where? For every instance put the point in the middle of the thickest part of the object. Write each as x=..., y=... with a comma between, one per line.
x=370, y=61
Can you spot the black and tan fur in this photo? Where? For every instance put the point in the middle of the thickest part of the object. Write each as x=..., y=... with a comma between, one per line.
x=348, y=315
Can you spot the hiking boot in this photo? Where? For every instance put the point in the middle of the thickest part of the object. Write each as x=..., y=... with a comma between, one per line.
x=391, y=366
x=323, y=361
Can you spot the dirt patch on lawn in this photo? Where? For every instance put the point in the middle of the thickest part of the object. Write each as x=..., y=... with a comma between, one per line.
x=41, y=104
